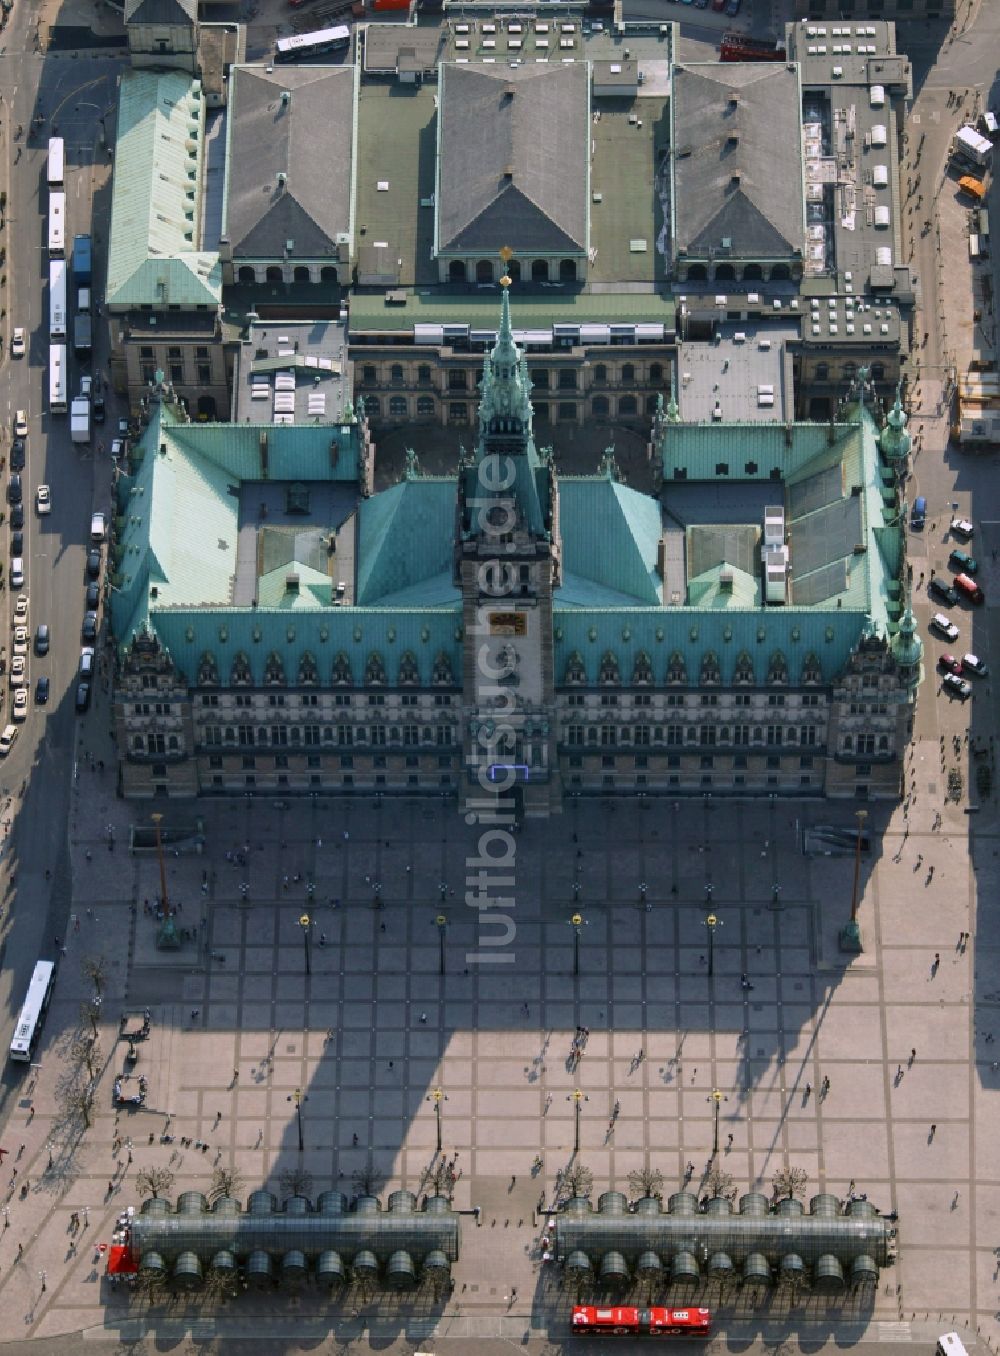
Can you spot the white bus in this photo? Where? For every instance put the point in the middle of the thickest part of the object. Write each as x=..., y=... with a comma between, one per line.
x=57, y=300
x=29, y=1024
x=58, y=398
x=56, y=165
x=57, y=224
x=318, y=43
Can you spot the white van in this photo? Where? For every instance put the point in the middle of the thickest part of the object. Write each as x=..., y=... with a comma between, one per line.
x=950, y=1344
x=98, y=528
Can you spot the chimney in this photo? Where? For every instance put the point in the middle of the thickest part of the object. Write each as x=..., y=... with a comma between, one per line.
x=291, y=583
x=726, y=581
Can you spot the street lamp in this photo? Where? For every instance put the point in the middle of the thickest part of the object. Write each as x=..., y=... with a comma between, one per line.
x=43, y=1277
x=850, y=933
x=49, y=1147
x=711, y=922
x=578, y=1099
x=298, y=1097
x=577, y=922
x=156, y=817
x=717, y=1099
x=437, y=1097
x=442, y=923
x=305, y=923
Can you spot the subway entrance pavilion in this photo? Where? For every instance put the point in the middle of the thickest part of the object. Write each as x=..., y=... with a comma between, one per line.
x=744, y=630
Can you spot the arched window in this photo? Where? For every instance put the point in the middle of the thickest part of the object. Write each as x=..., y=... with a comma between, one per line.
x=567, y=270
x=600, y=374
x=397, y=406
x=328, y=274
x=456, y=270
x=396, y=374
x=247, y=274
x=514, y=270
x=753, y=273
x=206, y=408
x=822, y=372
x=369, y=374
x=425, y=407
x=600, y=405
x=274, y=273
x=484, y=271
x=780, y=273
x=628, y=372
x=725, y=273
x=651, y=403
x=539, y=270
x=878, y=372
x=301, y=273
x=540, y=378
x=655, y=373
x=697, y=273
x=627, y=405
x=424, y=375
x=373, y=406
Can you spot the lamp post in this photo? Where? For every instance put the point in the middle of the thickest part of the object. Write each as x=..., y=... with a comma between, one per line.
x=717, y=1099
x=156, y=817
x=442, y=924
x=850, y=933
x=577, y=922
x=305, y=923
x=298, y=1097
x=711, y=922
x=437, y=1097
x=577, y=1103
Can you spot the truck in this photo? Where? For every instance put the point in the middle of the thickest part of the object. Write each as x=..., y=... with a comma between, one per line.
x=82, y=334
x=82, y=266
x=79, y=420
x=970, y=147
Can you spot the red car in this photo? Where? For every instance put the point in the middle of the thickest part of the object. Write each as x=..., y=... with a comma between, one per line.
x=950, y=664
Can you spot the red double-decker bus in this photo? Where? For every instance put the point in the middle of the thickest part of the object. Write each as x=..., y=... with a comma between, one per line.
x=632, y=1322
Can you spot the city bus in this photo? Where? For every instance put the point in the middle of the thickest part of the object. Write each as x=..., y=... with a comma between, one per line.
x=318, y=43
x=58, y=399
x=57, y=225
x=57, y=299
x=591, y=1320
x=29, y=1024
x=55, y=170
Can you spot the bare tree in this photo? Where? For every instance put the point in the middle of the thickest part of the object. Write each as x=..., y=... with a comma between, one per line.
x=86, y=1053
x=296, y=1181
x=153, y=1181
x=578, y=1180
x=442, y=1177
x=646, y=1181
x=77, y=1100
x=95, y=968
x=90, y=1015
x=369, y=1180
x=790, y=1182
x=226, y=1182
x=718, y=1182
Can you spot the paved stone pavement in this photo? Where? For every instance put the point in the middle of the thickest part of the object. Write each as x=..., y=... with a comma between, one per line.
x=375, y=1029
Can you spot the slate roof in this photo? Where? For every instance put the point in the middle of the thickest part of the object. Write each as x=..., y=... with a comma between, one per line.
x=162, y=12
x=513, y=164
x=737, y=161
x=153, y=254
x=308, y=138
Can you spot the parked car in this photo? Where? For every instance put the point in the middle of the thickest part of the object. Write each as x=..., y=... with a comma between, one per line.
x=20, y=640
x=733, y=8
x=15, y=490
x=8, y=739
x=973, y=664
x=21, y=608
x=18, y=451
x=82, y=696
x=18, y=671
x=92, y=597
x=20, y=424
x=17, y=517
x=17, y=543
x=949, y=663
x=964, y=561
x=20, y=703
x=90, y=628
x=943, y=591
x=957, y=686
x=17, y=343
x=962, y=528
x=944, y=625
x=93, y=564
x=17, y=572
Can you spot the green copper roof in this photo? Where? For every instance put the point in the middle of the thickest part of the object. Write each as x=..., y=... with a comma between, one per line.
x=706, y=589
x=315, y=588
x=749, y=451
x=405, y=537
x=153, y=255
x=371, y=313
x=611, y=536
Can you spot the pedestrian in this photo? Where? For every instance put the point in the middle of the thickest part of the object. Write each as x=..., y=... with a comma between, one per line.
x=423, y=1017
x=354, y=1140
x=729, y=1142
x=111, y=1187
x=236, y=1075
x=390, y=1064
x=933, y=1130
x=20, y=1252
x=513, y=1180
x=809, y=1088
x=913, y=1055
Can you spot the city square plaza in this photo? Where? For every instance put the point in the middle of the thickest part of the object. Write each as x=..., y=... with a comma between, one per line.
x=243, y=1041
